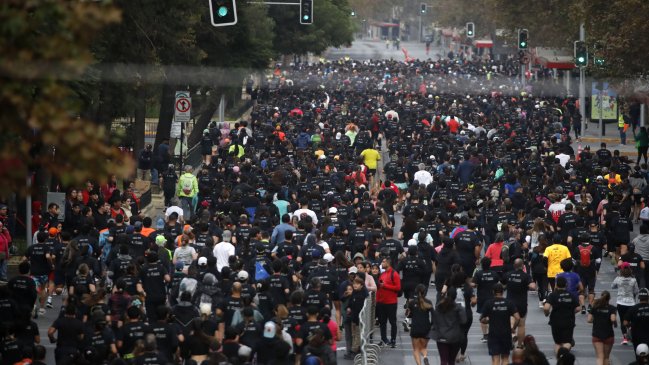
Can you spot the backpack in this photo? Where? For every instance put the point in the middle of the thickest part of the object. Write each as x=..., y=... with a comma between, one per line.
x=260, y=272
x=584, y=255
x=187, y=186
x=504, y=253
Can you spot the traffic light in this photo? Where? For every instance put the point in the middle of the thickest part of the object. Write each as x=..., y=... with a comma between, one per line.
x=470, y=29
x=423, y=8
x=223, y=12
x=523, y=42
x=581, y=54
x=306, y=11
x=598, y=60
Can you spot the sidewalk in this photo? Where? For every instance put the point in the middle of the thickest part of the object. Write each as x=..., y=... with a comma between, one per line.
x=591, y=138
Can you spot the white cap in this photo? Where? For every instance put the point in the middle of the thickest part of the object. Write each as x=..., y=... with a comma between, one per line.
x=202, y=261
x=242, y=275
x=600, y=177
x=352, y=270
x=333, y=210
x=412, y=242
x=528, y=238
x=328, y=257
x=642, y=350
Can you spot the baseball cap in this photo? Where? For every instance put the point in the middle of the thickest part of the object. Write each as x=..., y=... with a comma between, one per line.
x=242, y=275
x=202, y=261
x=328, y=257
x=160, y=224
x=643, y=294
x=412, y=242
x=137, y=226
x=270, y=329
x=642, y=350
x=179, y=266
x=333, y=210
x=358, y=255
x=160, y=240
x=352, y=270
x=53, y=231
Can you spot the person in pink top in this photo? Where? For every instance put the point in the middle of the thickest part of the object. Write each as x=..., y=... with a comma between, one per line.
x=325, y=317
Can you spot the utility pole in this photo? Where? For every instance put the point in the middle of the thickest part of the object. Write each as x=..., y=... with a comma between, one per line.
x=582, y=85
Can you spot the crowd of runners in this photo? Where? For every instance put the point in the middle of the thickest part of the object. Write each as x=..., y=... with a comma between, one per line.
x=444, y=182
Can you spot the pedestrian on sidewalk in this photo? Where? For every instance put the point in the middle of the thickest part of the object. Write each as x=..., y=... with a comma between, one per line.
x=448, y=319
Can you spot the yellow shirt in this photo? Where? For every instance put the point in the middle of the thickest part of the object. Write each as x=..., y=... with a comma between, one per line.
x=555, y=254
x=370, y=158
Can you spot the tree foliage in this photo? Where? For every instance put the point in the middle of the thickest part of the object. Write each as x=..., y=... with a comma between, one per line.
x=42, y=45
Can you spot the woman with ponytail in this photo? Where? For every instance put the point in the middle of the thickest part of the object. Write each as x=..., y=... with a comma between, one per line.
x=448, y=319
x=420, y=310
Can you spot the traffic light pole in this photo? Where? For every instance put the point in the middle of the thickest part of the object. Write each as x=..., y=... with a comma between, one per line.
x=582, y=85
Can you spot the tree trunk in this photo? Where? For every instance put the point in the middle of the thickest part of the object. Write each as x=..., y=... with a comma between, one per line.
x=207, y=111
x=167, y=99
x=140, y=115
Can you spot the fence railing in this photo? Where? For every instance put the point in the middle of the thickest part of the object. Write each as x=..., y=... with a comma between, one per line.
x=369, y=354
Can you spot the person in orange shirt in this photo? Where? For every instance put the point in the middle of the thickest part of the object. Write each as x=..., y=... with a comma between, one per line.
x=146, y=227
x=453, y=125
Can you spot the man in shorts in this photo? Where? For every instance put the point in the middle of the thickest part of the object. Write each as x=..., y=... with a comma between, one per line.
x=561, y=307
x=518, y=282
x=39, y=257
x=500, y=313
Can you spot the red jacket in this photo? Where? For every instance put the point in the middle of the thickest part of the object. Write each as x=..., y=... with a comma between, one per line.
x=5, y=239
x=387, y=293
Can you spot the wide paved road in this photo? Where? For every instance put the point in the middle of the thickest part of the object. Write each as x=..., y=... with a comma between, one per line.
x=367, y=49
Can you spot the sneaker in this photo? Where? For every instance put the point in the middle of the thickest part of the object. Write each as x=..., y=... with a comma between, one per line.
x=41, y=311
x=625, y=342
x=49, y=302
x=426, y=362
x=406, y=327
x=541, y=305
x=583, y=310
x=590, y=308
x=483, y=339
x=393, y=344
x=383, y=343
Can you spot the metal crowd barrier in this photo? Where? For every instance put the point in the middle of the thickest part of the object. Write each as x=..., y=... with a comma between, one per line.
x=369, y=354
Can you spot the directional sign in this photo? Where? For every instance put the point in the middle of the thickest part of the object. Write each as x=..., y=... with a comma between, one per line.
x=182, y=106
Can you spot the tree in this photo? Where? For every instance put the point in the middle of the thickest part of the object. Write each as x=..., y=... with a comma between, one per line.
x=332, y=27
x=620, y=29
x=43, y=45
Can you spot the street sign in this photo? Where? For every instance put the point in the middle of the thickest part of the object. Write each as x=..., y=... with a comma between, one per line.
x=176, y=129
x=182, y=106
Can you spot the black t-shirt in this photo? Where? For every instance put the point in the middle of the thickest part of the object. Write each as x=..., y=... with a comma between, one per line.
x=229, y=306
x=23, y=290
x=151, y=358
x=413, y=268
x=25, y=334
x=278, y=286
x=307, y=328
x=100, y=341
x=485, y=281
x=69, y=329
x=517, y=282
x=37, y=258
x=563, y=309
x=465, y=244
x=638, y=317
x=129, y=334
x=166, y=335
x=393, y=247
x=602, y=325
x=499, y=311
x=153, y=283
